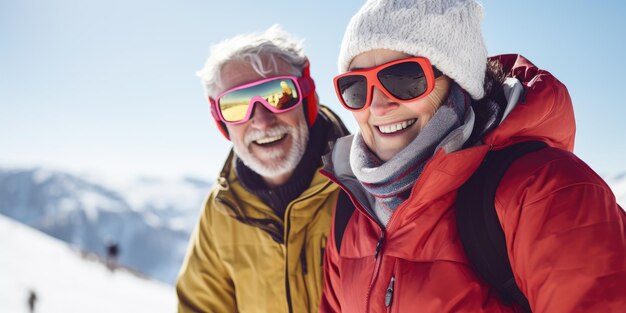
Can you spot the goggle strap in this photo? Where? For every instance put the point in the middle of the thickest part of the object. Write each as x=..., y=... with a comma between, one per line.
x=306, y=84
x=213, y=107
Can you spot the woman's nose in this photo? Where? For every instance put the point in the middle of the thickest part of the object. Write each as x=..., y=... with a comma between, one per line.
x=381, y=105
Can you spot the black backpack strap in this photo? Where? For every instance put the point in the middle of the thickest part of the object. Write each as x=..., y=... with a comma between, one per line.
x=478, y=224
x=343, y=212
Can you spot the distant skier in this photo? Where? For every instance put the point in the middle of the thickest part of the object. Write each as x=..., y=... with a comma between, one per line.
x=32, y=300
x=113, y=250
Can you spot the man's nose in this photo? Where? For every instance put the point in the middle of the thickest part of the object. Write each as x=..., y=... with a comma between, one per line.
x=262, y=117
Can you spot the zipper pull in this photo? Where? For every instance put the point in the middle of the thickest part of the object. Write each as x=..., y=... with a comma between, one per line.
x=389, y=293
x=379, y=244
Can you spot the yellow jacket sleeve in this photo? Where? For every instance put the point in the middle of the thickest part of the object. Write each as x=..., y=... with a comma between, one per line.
x=204, y=284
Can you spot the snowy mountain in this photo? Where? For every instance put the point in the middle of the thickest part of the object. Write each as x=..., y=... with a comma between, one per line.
x=64, y=280
x=150, y=219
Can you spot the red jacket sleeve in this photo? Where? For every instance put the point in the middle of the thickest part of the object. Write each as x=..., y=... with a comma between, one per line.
x=331, y=295
x=566, y=235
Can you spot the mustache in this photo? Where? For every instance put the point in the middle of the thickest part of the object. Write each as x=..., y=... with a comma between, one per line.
x=272, y=132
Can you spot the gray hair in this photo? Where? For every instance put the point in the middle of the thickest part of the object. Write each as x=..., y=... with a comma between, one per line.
x=253, y=48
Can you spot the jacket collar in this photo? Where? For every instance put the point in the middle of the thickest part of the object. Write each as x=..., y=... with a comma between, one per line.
x=246, y=205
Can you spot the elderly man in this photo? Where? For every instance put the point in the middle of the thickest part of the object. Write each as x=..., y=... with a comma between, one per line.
x=260, y=240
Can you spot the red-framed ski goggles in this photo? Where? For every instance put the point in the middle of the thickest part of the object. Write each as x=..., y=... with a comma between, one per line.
x=278, y=94
x=401, y=80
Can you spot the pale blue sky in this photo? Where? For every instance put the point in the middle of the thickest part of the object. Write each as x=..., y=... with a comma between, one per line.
x=109, y=85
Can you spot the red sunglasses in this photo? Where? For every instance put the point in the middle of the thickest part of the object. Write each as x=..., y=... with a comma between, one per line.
x=401, y=80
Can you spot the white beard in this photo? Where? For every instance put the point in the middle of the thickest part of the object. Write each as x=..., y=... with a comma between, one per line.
x=279, y=163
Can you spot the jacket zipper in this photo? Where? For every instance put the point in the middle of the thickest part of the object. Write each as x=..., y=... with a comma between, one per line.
x=286, y=240
x=379, y=246
x=287, y=288
x=241, y=217
x=245, y=220
x=389, y=294
x=381, y=239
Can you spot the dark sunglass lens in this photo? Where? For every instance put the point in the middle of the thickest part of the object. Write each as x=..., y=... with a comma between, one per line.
x=353, y=90
x=404, y=81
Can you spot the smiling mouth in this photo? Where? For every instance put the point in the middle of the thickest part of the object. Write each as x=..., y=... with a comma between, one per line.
x=268, y=141
x=397, y=127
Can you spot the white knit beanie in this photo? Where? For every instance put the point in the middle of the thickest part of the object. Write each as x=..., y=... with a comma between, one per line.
x=447, y=32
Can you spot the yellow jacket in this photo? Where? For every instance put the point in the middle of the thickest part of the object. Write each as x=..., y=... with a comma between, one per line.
x=236, y=261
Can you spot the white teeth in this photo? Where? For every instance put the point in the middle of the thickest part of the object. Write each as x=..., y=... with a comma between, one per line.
x=266, y=140
x=392, y=128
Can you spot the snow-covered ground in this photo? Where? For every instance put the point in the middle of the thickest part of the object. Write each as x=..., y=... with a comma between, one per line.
x=66, y=281
x=149, y=218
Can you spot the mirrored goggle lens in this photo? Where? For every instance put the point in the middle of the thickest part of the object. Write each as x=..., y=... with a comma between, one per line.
x=353, y=90
x=281, y=94
x=404, y=81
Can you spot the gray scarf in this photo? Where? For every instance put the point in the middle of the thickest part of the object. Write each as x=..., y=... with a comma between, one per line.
x=390, y=182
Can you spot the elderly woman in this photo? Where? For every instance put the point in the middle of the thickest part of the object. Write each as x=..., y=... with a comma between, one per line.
x=430, y=106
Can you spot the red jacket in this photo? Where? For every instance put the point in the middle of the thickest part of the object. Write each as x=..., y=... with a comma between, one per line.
x=565, y=234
